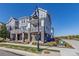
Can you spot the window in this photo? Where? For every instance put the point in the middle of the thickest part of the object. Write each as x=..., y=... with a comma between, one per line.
x=42, y=22
x=23, y=21
x=24, y=27
x=9, y=28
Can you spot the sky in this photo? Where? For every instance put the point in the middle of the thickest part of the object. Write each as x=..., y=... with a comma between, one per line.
x=64, y=16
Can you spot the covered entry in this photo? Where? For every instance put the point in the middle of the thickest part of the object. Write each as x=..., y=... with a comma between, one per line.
x=33, y=34
x=17, y=35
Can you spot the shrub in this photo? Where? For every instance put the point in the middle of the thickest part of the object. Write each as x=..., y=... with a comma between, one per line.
x=52, y=43
x=26, y=42
x=68, y=46
x=34, y=43
x=40, y=43
x=2, y=40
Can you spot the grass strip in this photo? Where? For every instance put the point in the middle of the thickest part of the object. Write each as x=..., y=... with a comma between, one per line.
x=26, y=48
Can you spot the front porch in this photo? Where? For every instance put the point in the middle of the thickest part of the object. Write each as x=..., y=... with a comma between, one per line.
x=28, y=36
x=18, y=36
x=24, y=37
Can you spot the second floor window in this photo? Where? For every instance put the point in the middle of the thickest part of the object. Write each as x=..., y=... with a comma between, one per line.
x=23, y=28
x=23, y=21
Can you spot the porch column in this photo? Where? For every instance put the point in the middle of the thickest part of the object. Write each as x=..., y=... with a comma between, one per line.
x=10, y=37
x=16, y=40
x=42, y=36
x=29, y=35
x=23, y=37
x=42, y=31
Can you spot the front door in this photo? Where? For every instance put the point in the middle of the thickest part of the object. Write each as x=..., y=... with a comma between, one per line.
x=13, y=37
x=19, y=36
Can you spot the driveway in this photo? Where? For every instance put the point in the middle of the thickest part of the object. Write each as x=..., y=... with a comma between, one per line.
x=74, y=44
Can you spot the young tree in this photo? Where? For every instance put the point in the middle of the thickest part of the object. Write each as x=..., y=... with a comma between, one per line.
x=3, y=32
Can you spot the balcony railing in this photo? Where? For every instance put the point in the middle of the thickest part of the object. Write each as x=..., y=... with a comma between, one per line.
x=35, y=29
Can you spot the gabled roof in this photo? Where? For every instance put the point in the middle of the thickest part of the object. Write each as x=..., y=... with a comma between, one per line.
x=23, y=17
x=43, y=10
x=11, y=18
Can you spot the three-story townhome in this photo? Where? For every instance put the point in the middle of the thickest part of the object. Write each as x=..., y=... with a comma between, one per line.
x=26, y=28
x=44, y=24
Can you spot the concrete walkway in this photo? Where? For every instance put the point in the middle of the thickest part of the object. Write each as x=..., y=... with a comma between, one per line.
x=63, y=51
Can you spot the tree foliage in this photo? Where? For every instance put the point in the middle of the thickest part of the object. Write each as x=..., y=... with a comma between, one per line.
x=3, y=32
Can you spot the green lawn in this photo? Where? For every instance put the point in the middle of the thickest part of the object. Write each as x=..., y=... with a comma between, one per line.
x=25, y=48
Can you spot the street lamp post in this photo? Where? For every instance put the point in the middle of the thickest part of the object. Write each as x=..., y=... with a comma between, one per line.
x=38, y=31
x=38, y=34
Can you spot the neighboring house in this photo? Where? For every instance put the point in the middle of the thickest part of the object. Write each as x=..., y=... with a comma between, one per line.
x=1, y=26
x=25, y=28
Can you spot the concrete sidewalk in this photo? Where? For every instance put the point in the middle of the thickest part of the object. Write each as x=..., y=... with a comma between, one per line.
x=63, y=51
x=18, y=52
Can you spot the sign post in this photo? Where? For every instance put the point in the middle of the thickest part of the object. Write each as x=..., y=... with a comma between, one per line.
x=37, y=38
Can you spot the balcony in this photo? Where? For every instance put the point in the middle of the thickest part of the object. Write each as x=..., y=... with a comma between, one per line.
x=35, y=29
